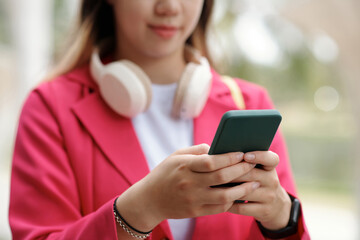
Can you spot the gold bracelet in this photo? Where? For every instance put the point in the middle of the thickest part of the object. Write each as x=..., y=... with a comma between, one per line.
x=125, y=225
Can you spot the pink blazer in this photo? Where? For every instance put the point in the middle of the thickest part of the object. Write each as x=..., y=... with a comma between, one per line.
x=73, y=155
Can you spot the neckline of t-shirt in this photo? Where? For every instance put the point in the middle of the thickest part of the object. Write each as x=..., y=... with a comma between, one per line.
x=164, y=87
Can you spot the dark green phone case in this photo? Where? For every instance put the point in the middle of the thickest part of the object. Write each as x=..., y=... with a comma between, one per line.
x=245, y=131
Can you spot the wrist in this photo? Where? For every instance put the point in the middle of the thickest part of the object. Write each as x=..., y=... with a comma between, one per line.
x=132, y=231
x=137, y=211
x=282, y=218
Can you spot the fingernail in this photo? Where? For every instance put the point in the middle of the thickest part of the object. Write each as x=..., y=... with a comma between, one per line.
x=249, y=156
x=240, y=156
x=255, y=185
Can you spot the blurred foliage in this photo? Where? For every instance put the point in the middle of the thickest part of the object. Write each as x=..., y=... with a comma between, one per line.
x=4, y=25
x=301, y=76
x=62, y=28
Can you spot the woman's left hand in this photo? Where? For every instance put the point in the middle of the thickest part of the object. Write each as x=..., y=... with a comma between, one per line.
x=269, y=204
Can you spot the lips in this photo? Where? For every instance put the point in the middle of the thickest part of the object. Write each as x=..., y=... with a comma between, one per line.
x=164, y=31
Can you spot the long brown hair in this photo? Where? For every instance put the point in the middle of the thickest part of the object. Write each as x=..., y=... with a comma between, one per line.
x=96, y=22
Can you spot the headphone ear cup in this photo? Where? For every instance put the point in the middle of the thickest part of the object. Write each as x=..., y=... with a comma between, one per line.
x=193, y=90
x=143, y=78
x=178, y=110
x=123, y=90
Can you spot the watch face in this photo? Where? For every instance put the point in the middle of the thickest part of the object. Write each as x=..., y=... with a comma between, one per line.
x=295, y=212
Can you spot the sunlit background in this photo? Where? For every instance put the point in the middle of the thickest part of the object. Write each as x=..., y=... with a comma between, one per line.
x=305, y=52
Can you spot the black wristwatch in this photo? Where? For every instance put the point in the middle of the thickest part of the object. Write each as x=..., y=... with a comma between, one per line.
x=292, y=226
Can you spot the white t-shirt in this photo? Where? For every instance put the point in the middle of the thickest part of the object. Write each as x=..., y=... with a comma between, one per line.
x=160, y=135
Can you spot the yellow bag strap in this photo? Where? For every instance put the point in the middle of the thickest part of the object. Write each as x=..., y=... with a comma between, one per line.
x=235, y=91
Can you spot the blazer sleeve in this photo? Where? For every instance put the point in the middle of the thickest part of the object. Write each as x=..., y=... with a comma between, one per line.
x=44, y=199
x=284, y=168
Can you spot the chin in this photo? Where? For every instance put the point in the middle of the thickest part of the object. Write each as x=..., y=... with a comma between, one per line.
x=164, y=51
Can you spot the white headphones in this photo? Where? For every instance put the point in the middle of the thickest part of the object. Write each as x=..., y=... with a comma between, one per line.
x=126, y=88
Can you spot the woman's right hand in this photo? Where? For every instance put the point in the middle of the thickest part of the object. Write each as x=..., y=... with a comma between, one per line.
x=179, y=187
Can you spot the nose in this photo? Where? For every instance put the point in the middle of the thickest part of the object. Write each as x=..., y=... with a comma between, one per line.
x=167, y=7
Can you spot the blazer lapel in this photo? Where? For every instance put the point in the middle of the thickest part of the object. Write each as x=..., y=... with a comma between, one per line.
x=114, y=135
x=218, y=103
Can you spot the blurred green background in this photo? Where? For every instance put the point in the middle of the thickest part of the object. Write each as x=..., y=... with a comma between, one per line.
x=305, y=52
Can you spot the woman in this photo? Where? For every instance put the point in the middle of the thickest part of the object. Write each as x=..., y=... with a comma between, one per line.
x=115, y=146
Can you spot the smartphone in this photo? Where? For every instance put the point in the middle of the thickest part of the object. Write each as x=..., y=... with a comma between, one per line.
x=245, y=131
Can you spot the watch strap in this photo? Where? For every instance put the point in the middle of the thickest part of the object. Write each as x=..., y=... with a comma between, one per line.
x=292, y=226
